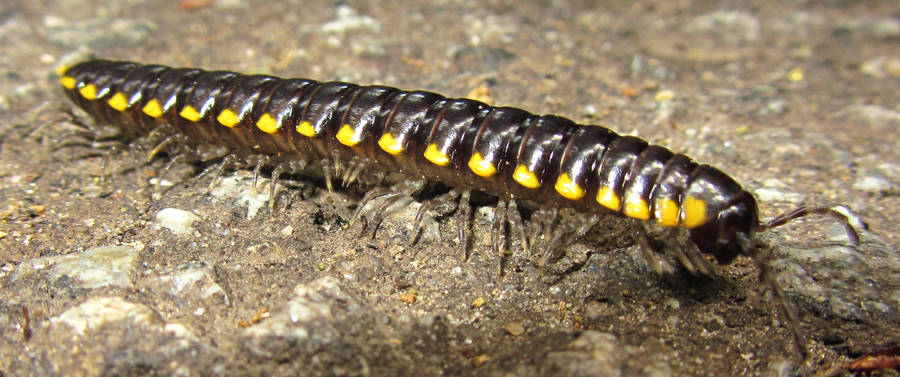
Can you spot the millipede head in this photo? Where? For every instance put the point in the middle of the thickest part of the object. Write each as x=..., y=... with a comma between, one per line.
x=719, y=238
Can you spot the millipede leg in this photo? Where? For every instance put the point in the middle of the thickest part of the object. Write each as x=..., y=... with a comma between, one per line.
x=582, y=225
x=420, y=216
x=515, y=218
x=534, y=226
x=273, y=183
x=550, y=248
x=229, y=160
x=562, y=232
x=449, y=197
x=72, y=141
x=326, y=170
x=541, y=222
x=497, y=233
x=400, y=201
x=700, y=264
x=648, y=253
x=353, y=172
x=749, y=248
x=297, y=166
x=165, y=171
x=389, y=196
x=160, y=131
x=565, y=233
x=260, y=161
x=338, y=166
x=372, y=194
x=463, y=213
x=684, y=260
x=169, y=140
x=378, y=213
x=212, y=167
x=256, y=170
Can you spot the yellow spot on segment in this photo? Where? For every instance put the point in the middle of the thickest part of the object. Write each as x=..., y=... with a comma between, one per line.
x=525, y=177
x=228, y=118
x=608, y=198
x=694, y=212
x=568, y=188
x=436, y=156
x=389, y=144
x=347, y=136
x=153, y=109
x=267, y=124
x=190, y=113
x=306, y=129
x=68, y=82
x=61, y=70
x=636, y=207
x=118, y=102
x=666, y=212
x=481, y=166
x=88, y=91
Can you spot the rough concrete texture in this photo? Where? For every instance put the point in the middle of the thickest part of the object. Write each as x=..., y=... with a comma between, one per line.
x=797, y=100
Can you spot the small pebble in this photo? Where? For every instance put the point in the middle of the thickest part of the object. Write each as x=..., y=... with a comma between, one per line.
x=190, y=284
x=872, y=184
x=664, y=96
x=95, y=312
x=99, y=267
x=349, y=19
x=480, y=360
x=409, y=297
x=873, y=67
x=671, y=303
x=515, y=328
x=178, y=221
x=478, y=302
x=796, y=74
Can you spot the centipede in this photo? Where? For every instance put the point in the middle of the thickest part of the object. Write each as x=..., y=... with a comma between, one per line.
x=362, y=132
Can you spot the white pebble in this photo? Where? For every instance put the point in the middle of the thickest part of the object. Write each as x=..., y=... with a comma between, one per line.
x=872, y=184
x=178, y=221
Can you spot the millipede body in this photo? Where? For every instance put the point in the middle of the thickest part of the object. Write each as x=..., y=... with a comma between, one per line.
x=463, y=143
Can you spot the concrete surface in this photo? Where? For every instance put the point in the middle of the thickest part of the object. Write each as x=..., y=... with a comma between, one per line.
x=797, y=100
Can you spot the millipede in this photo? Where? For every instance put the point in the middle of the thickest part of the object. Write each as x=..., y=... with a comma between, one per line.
x=361, y=133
